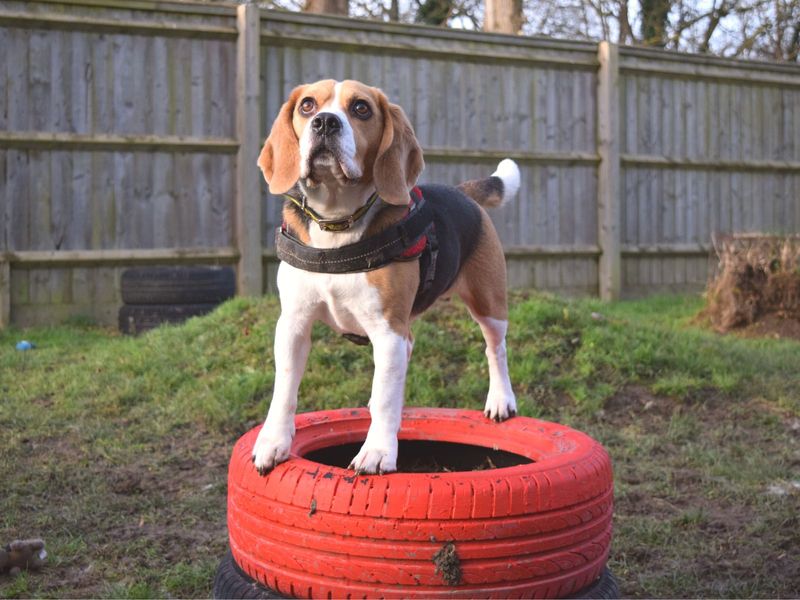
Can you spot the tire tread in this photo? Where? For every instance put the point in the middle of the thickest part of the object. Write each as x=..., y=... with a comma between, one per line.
x=177, y=285
x=140, y=318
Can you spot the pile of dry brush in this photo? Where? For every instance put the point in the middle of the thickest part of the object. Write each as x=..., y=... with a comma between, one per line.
x=758, y=275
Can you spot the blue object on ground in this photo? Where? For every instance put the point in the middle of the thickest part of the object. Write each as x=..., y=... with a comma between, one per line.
x=25, y=345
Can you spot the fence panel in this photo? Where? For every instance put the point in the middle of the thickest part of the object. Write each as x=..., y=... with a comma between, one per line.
x=120, y=145
x=472, y=100
x=118, y=133
x=708, y=146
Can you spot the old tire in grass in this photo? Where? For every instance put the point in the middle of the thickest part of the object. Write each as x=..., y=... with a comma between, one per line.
x=231, y=582
x=137, y=319
x=177, y=285
x=308, y=529
x=605, y=588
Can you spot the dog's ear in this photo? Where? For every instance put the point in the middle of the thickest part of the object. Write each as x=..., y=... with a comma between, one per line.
x=399, y=159
x=280, y=157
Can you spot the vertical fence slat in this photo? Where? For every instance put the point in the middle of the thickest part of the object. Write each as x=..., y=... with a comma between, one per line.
x=608, y=197
x=248, y=195
x=5, y=293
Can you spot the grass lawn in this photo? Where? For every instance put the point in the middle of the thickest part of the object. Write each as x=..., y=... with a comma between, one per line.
x=115, y=450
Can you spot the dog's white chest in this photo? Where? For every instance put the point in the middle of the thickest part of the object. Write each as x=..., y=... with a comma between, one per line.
x=344, y=301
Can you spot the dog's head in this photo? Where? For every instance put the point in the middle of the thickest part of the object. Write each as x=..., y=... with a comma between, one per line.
x=342, y=133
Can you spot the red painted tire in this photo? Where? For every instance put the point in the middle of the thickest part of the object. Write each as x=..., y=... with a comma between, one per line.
x=541, y=529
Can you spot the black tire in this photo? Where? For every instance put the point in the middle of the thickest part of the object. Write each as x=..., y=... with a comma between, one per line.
x=231, y=582
x=177, y=285
x=134, y=320
x=605, y=588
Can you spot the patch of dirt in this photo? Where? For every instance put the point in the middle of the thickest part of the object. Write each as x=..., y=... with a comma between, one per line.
x=778, y=325
x=692, y=498
x=127, y=521
x=448, y=564
x=638, y=405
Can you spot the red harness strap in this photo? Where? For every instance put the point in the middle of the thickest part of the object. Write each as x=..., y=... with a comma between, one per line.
x=417, y=248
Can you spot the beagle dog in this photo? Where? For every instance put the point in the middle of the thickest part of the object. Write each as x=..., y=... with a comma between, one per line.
x=348, y=160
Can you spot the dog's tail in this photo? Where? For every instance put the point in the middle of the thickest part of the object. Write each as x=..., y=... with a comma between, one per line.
x=498, y=188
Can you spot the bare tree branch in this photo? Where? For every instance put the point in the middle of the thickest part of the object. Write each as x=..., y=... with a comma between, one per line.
x=764, y=29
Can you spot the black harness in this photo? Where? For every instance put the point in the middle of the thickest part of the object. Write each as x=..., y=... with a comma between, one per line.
x=414, y=236
x=400, y=241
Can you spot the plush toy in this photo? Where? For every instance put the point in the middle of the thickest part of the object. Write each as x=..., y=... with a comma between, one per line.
x=22, y=554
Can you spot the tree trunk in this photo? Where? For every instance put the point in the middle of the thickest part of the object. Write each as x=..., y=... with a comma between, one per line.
x=654, y=22
x=434, y=12
x=331, y=7
x=793, y=53
x=625, y=31
x=394, y=10
x=503, y=16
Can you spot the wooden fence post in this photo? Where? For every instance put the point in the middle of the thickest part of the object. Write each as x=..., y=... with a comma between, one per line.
x=249, y=272
x=5, y=293
x=608, y=183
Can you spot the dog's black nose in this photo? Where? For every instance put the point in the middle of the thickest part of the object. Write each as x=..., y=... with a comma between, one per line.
x=326, y=124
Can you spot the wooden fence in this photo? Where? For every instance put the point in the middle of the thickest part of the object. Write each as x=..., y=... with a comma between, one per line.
x=129, y=133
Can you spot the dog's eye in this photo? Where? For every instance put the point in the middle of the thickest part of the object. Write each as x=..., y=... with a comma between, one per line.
x=307, y=106
x=361, y=109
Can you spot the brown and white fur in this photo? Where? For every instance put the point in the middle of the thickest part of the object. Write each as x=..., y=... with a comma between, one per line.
x=369, y=146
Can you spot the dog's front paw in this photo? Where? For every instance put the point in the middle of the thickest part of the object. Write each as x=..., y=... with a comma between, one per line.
x=372, y=459
x=500, y=407
x=270, y=450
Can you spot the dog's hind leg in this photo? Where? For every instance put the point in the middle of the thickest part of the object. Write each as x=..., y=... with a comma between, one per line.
x=500, y=401
x=482, y=286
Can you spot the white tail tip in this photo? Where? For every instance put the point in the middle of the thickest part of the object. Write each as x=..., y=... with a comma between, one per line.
x=508, y=171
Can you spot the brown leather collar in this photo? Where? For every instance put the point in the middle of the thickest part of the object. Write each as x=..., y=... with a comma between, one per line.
x=332, y=224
